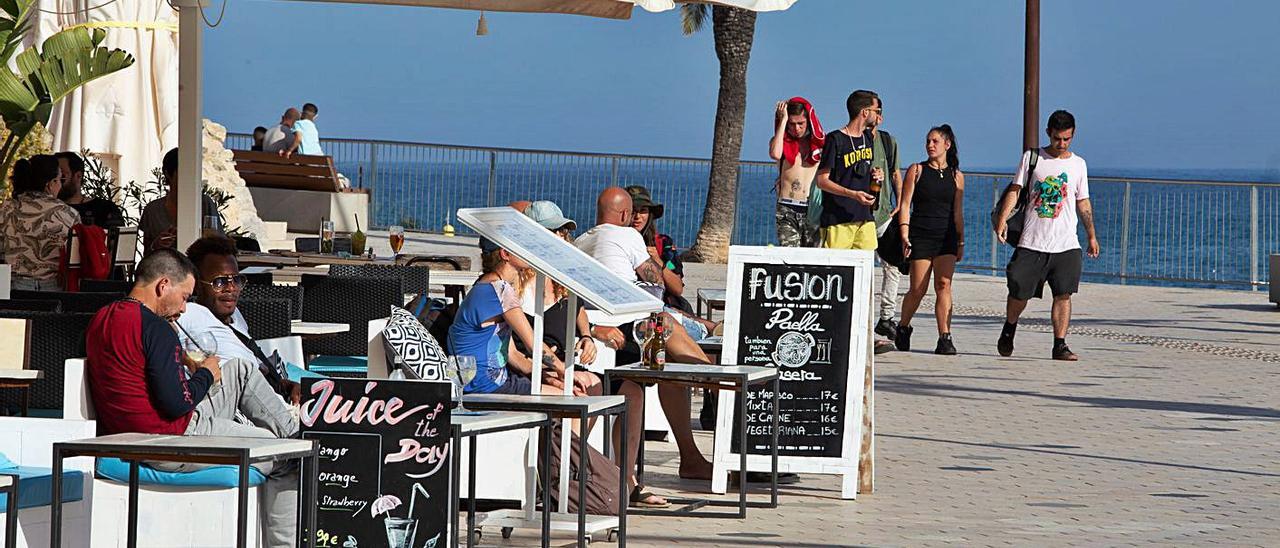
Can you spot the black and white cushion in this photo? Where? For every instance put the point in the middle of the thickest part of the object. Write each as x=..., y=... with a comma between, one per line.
x=411, y=348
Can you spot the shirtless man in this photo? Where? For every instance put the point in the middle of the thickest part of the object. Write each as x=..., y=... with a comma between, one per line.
x=797, y=146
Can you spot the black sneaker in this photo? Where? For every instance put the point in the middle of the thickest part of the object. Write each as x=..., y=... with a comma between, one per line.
x=1005, y=345
x=903, y=338
x=887, y=328
x=1062, y=352
x=945, y=346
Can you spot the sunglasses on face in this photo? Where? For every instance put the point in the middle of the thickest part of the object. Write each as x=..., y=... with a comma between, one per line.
x=223, y=283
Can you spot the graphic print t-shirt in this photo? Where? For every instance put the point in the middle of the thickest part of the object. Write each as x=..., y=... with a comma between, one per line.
x=1051, y=214
x=849, y=161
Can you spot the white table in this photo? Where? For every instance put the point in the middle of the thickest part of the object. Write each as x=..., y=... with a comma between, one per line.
x=9, y=486
x=300, y=327
x=710, y=300
x=22, y=380
x=490, y=422
x=240, y=452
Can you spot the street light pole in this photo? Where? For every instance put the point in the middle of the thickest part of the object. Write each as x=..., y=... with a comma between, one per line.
x=1031, y=75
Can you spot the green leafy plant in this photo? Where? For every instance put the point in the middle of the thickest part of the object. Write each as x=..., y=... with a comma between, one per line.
x=100, y=182
x=46, y=74
x=36, y=142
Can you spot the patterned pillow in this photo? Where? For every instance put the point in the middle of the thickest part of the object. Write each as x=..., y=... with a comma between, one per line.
x=408, y=344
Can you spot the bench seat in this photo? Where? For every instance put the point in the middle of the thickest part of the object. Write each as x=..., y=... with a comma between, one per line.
x=35, y=486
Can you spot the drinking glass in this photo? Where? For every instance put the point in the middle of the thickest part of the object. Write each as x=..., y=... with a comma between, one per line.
x=200, y=346
x=209, y=226
x=326, y=237
x=396, y=234
x=464, y=370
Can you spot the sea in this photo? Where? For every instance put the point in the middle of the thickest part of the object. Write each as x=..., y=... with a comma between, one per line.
x=1184, y=228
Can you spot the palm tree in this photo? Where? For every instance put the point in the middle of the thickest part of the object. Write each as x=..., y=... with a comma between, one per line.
x=45, y=75
x=734, y=30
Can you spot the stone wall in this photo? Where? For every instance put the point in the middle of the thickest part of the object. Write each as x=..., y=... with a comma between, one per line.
x=220, y=173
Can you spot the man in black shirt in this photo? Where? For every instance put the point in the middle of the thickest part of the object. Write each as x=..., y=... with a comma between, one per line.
x=98, y=211
x=845, y=176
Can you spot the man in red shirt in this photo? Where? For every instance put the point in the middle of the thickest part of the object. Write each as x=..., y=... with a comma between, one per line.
x=142, y=381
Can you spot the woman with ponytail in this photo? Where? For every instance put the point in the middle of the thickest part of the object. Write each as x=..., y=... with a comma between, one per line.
x=35, y=224
x=932, y=228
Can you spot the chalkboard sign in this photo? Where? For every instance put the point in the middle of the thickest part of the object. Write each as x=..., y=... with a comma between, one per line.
x=806, y=312
x=384, y=461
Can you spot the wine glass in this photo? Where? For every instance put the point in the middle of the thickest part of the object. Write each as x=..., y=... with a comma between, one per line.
x=200, y=346
x=463, y=372
x=396, y=234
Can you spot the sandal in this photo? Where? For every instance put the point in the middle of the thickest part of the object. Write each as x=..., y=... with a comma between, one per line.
x=644, y=499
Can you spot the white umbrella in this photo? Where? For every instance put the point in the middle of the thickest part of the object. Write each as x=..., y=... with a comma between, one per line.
x=191, y=25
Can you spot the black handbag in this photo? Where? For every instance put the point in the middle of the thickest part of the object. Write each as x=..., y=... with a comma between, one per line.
x=1018, y=217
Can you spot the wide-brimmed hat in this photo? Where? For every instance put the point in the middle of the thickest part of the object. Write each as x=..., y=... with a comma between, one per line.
x=640, y=198
x=548, y=214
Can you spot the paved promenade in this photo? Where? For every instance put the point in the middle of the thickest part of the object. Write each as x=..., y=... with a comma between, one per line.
x=1167, y=432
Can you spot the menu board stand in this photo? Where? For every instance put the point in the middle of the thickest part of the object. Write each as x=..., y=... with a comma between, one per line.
x=581, y=276
x=807, y=312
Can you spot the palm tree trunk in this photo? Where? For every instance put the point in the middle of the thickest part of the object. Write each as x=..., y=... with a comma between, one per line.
x=734, y=31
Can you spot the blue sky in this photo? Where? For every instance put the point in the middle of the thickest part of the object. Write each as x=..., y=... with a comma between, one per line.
x=1154, y=84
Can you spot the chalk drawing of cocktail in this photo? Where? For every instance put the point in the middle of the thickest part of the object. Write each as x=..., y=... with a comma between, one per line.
x=400, y=531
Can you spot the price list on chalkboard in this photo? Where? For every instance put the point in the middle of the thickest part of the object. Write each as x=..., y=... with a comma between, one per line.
x=384, y=461
x=797, y=317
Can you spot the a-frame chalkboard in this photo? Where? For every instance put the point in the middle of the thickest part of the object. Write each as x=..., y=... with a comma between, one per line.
x=807, y=312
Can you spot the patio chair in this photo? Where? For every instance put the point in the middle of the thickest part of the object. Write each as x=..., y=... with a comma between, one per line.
x=293, y=293
x=106, y=286
x=71, y=301
x=55, y=337
x=414, y=279
x=351, y=301
x=267, y=318
x=31, y=305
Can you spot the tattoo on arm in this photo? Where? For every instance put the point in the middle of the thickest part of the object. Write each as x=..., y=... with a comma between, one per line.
x=650, y=272
x=1085, y=209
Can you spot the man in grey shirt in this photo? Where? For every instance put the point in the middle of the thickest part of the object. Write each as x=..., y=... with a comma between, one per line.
x=159, y=230
x=282, y=138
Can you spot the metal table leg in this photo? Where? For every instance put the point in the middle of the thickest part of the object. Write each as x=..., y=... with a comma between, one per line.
x=742, y=453
x=55, y=511
x=314, y=501
x=242, y=510
x=133, y=504
x=773, y=454
x=546, y=484
x=455, y=498
x=11, y=513
x=624, y=498
x=471, y=491
x=584, y=472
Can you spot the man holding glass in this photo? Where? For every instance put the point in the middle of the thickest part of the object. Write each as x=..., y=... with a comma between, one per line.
x=142, y=381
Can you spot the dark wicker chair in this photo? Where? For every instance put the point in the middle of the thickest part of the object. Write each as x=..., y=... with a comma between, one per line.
x=71, y=301
x=267, y=318
x=292, y=293
x=352, y=301
x=106, y=286
x=55, y=338
x=259, y=278
x=414, y=279
x=311, y=244
x=31, y=305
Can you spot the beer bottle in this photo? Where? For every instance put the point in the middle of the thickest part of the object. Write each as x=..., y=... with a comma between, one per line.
x=660, y=345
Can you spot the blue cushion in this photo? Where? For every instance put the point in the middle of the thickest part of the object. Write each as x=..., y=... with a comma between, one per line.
x=339, y=364
x=296, y=373
x=213, y=476
x=35, y=487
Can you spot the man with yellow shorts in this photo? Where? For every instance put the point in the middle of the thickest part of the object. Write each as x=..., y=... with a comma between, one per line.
x=845, y=177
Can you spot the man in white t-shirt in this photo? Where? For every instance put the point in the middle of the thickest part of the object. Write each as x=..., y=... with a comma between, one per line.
x=621, y=249
x=1049, y=249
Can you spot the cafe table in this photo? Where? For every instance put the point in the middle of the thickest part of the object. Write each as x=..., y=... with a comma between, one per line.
x=299, y=327
x=567, y=407
x=738, y=378
x=477, y=423
x=710, y=300
x=9, y=486
x=22, y=380
x=214, y=450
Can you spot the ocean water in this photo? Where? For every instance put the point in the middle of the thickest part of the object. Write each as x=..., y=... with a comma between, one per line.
x=1171, y=233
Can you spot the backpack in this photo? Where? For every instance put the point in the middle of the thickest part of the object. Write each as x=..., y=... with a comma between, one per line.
x=95, y=259
x=602, y=478
x=1017, y=218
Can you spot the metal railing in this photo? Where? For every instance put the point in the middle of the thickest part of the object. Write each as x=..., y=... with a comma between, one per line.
x=1215, y=233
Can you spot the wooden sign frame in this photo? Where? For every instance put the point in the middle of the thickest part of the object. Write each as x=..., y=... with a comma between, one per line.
x=854, y=447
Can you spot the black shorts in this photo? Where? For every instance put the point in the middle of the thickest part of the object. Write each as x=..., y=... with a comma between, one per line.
x=1028, y=270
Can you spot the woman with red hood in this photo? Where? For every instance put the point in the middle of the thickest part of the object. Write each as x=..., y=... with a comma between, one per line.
x=797, y=146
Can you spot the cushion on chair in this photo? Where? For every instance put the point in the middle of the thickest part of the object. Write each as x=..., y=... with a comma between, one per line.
x=35, y=486
x=409, y=344
x=213, y=476
x=339, y=365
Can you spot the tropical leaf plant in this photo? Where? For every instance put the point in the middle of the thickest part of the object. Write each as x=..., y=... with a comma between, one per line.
x=46, y=74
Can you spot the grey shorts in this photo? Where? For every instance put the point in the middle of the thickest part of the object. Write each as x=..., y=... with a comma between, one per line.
x=1028, y=271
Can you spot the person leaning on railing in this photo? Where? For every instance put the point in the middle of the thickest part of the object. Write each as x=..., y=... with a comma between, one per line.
x=35, y=224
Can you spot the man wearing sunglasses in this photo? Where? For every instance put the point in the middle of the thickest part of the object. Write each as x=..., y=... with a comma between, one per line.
x=217, y=293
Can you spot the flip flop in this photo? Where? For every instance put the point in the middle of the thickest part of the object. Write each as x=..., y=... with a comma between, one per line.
x=640, y=498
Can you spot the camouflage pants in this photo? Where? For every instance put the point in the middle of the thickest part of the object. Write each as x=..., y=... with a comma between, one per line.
x=793, y=225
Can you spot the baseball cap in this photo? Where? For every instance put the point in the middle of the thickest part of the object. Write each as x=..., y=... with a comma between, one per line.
x=548, y=214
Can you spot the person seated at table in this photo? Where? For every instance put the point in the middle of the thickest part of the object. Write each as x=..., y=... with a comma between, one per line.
x=555, y=314
x=487, y=318
x=620, y=248
x=96, y=211
x=218, y=286
x=662, y=249
x=157, y=222
x=142, y=381
x=35, y=225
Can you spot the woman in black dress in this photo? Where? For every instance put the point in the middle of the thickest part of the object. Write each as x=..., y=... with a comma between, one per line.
x=932, y=233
